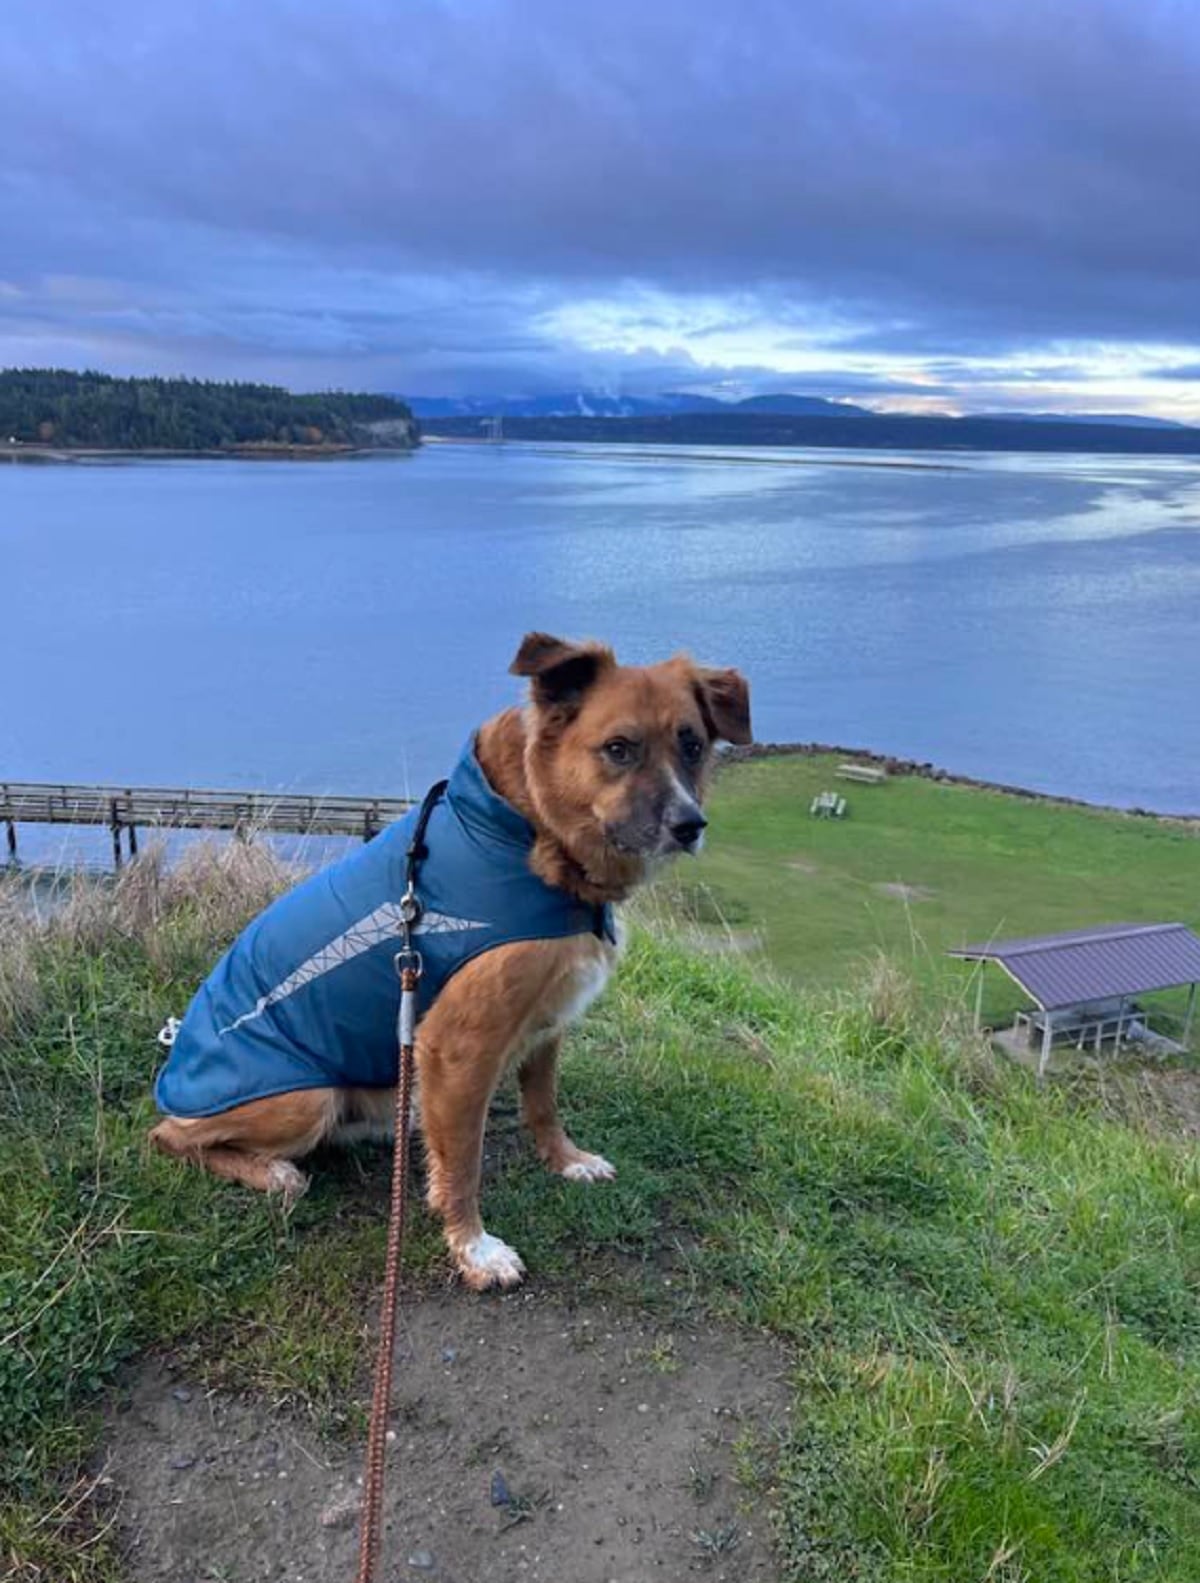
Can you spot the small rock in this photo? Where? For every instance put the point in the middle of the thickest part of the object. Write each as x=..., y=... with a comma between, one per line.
x=181, y=1393
x=181, y=1462
x=501, y=1495
x=449, y=1354
x=421, y=1560
x=643, y=1407
x=342, y=1509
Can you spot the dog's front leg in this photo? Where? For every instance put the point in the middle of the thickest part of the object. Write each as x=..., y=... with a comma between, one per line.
x=491, y=1011
x=457, y=1082
x=539, y=1107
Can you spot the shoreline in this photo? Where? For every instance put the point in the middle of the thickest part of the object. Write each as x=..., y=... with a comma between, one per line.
x=894, y=765
x=50, y=455
x=923, y=769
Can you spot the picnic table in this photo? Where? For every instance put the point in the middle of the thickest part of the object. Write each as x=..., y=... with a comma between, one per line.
x=1089, y=1024
x=828, y=805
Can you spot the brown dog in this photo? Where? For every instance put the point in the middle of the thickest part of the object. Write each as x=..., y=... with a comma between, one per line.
x=608, y=764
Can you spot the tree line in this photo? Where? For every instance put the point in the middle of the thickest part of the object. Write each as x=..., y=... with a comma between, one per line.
x=873, y=431
x=51, y=406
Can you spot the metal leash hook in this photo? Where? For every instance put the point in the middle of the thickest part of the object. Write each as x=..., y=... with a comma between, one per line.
x=409, y=968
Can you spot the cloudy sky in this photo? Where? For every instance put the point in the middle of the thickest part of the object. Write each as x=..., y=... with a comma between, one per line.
x=924, y=204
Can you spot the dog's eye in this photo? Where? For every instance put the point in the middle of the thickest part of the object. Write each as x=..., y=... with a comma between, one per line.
x=692, y=749
x=619, y=751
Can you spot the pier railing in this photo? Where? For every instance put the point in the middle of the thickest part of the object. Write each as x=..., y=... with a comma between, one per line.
x=132, y=808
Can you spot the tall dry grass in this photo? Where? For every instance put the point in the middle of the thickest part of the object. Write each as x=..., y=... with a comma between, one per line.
x=19, y=995
x=179, y=914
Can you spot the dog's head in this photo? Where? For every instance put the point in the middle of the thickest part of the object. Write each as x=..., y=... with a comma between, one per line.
x=617, y=755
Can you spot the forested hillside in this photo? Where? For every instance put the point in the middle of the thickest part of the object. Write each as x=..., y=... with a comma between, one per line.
x=55, y=407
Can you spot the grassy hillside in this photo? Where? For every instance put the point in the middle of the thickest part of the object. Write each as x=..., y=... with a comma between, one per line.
x=989, y=1292
x=917, y=866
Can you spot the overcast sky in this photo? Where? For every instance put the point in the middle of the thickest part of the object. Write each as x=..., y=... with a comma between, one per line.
x=920, y=203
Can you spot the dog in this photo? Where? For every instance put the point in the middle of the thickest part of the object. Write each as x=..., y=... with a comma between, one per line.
x=558, y=810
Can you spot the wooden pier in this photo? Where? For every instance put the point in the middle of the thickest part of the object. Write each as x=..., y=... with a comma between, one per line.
x=129, y=809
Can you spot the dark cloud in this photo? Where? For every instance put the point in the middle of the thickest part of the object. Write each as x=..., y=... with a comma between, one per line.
x=371, y=192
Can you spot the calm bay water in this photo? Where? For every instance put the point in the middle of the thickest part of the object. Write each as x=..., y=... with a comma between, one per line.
x=340, y=626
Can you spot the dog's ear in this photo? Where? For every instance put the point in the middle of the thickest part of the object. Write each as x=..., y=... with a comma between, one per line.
x=560, y=672
x=724, y=698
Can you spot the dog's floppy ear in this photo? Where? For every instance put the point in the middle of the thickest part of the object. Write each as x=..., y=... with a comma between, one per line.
x=560, y=672
x=724, y=698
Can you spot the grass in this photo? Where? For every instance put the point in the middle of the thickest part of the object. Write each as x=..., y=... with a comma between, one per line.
x=104, y=1248
x=982, y=864
x=990, y=1293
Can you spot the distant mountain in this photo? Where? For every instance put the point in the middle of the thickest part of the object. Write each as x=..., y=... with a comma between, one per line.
x=596, y=404
x=801, y=407
x=1126, y=420
x=561, y=404
x=676, y=403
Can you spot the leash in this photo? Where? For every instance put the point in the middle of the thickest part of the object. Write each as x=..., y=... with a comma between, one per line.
x=409, y=967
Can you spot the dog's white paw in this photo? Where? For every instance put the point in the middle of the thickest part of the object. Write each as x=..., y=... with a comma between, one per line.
x=287, y=1180
x=486, y=1261
x=589, y=1168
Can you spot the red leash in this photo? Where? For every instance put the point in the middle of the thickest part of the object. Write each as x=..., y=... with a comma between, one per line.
x=372, y=1509
x=409, y=967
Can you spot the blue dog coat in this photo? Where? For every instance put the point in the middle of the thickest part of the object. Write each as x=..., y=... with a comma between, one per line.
x=307, y=996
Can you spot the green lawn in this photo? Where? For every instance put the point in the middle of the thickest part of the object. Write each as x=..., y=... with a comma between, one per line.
x=980, y=864
x=990, y=1291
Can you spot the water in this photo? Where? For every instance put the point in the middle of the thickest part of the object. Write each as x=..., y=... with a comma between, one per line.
x=340, y=626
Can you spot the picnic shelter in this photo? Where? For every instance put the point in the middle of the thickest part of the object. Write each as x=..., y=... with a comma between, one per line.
x=1084, y=983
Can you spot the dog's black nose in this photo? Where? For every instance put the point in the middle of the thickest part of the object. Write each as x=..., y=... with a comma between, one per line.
x=688, y=831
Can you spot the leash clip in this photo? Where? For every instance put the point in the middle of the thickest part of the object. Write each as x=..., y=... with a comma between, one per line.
x=408, y=961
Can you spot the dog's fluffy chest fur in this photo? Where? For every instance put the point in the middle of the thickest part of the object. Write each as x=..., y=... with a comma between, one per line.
x=576, y=972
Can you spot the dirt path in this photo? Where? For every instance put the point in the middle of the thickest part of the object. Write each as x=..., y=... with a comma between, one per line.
x=613, y=1440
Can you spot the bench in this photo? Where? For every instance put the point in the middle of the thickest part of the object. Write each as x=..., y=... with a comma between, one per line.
x=867, y=774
